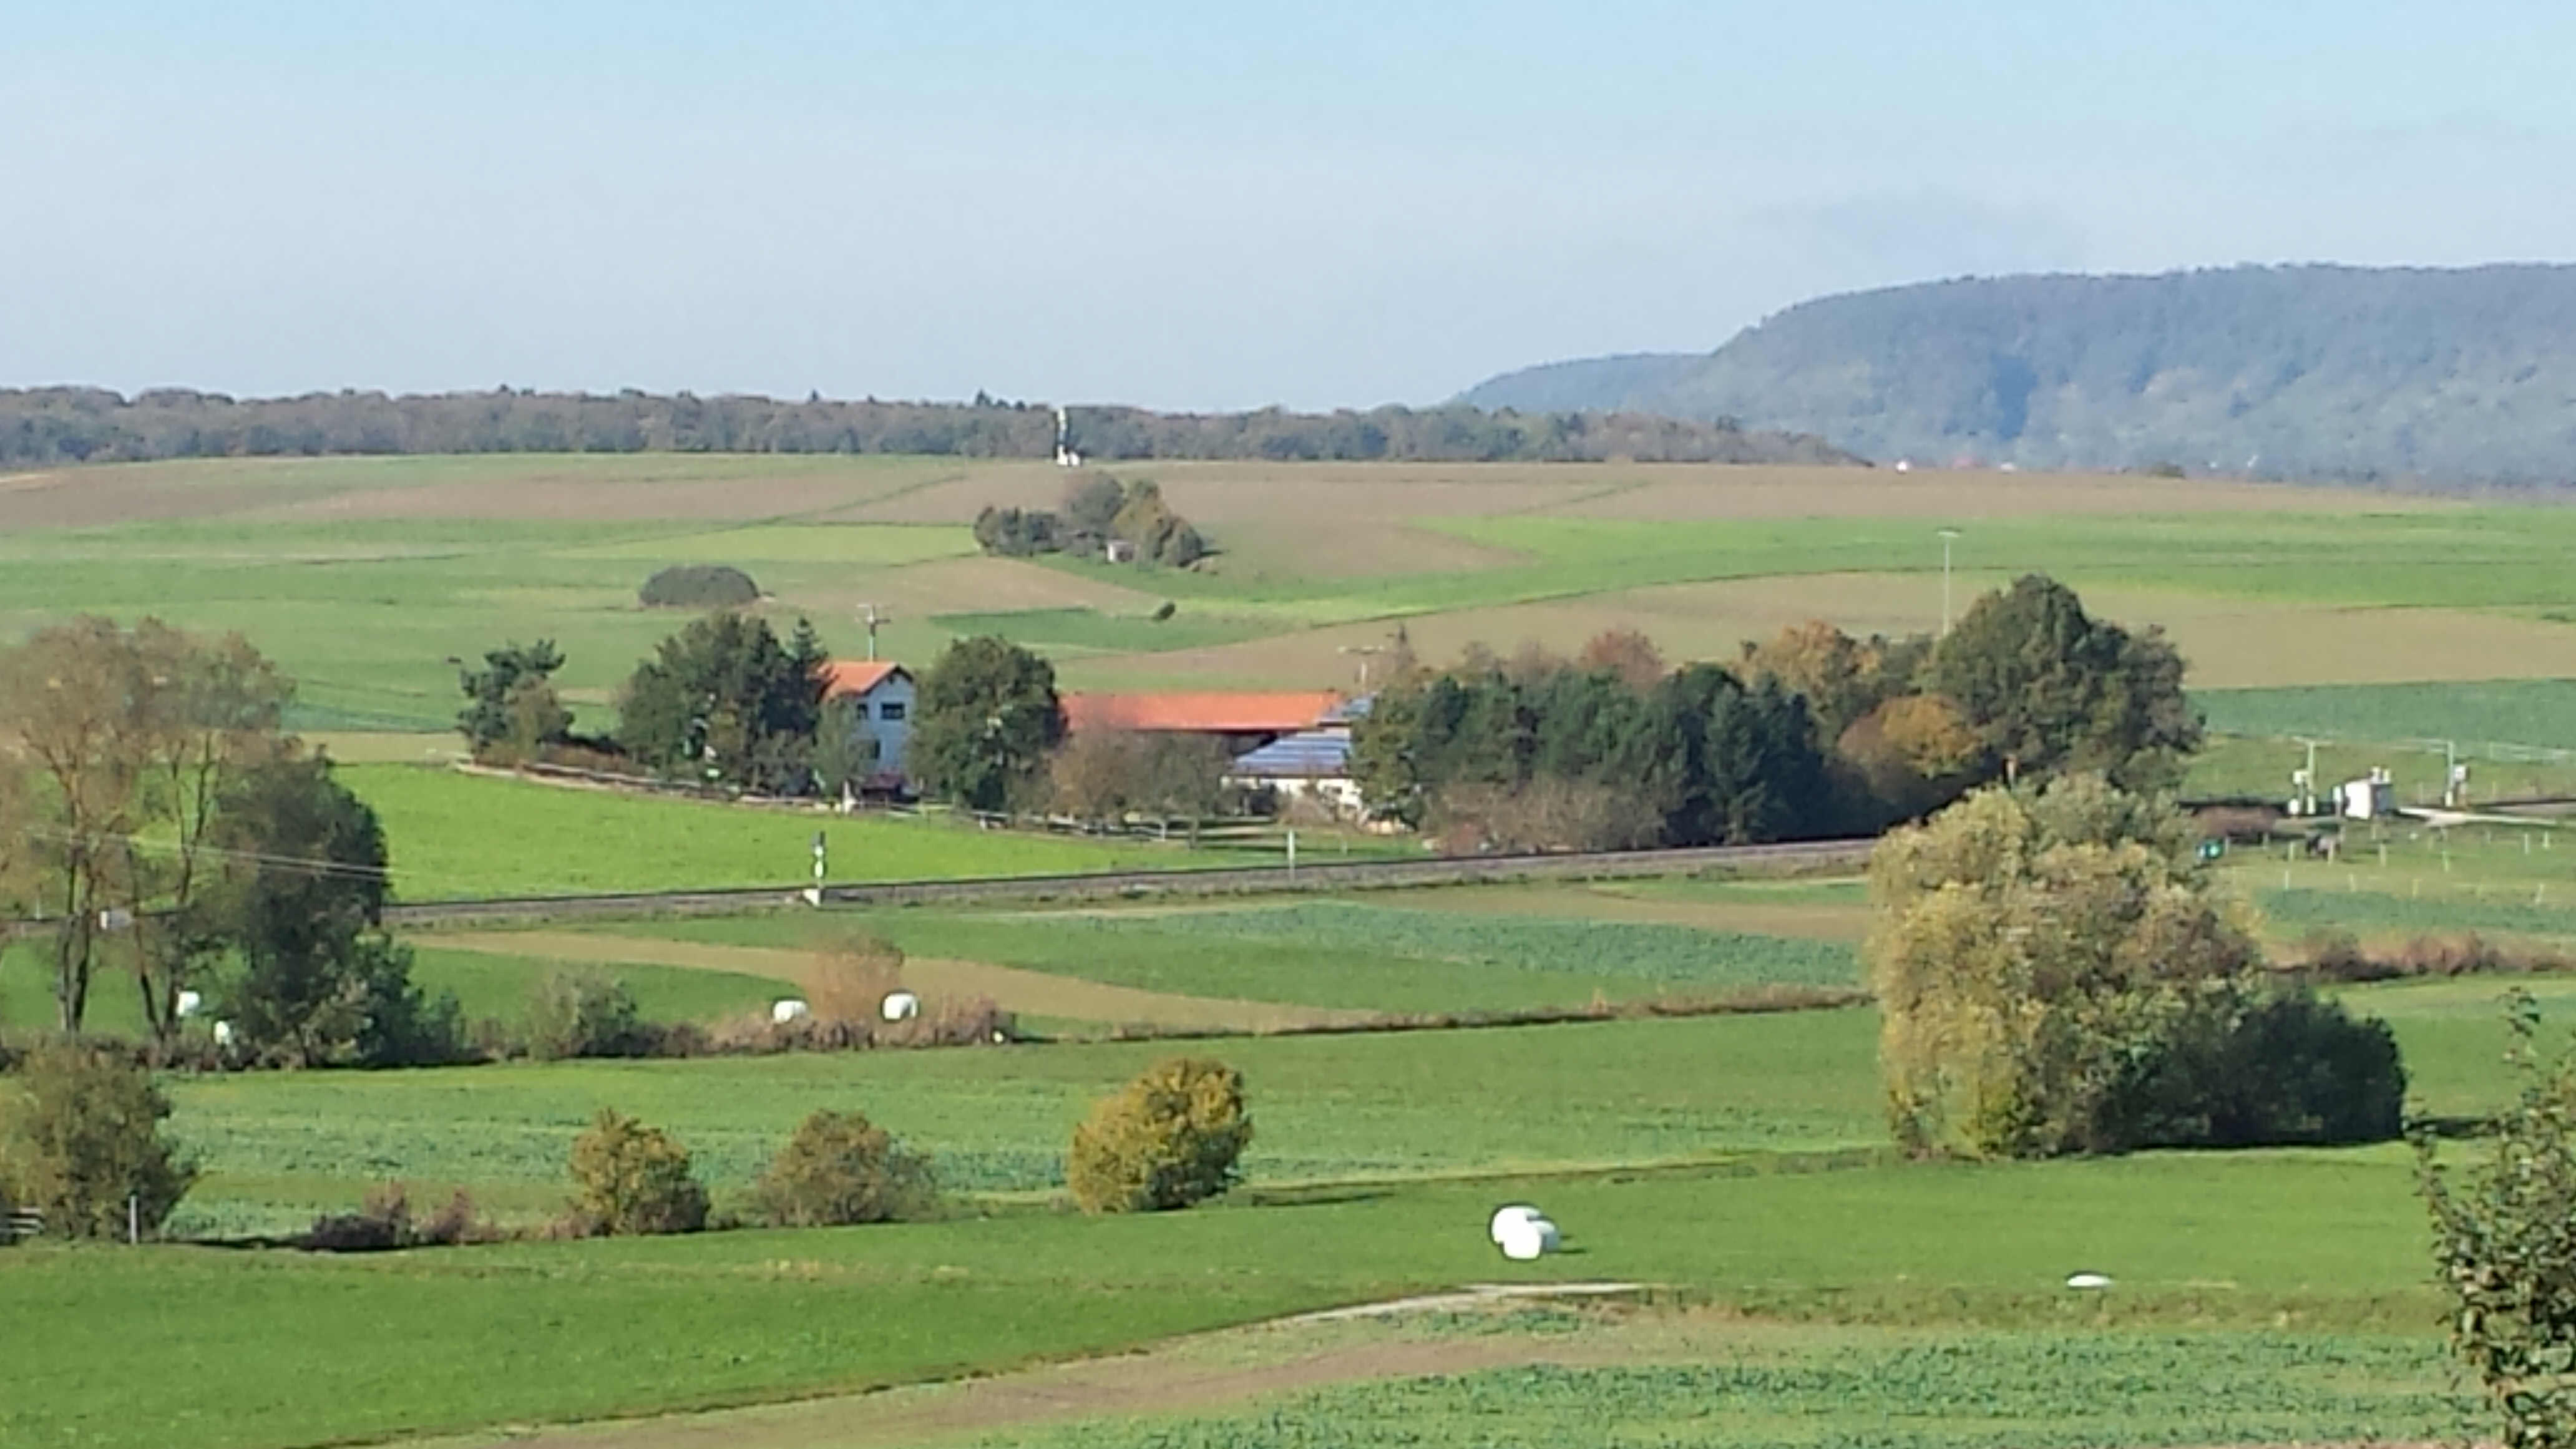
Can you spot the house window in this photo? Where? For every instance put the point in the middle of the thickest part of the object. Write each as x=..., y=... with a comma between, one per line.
x=890, y=711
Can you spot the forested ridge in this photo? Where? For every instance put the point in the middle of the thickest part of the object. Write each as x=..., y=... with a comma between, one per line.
x=50, y=426
x=2399, y=375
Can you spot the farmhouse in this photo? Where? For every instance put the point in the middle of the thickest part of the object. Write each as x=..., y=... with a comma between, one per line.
x=1311, y=764
x=1244, y=722
x=884, y=695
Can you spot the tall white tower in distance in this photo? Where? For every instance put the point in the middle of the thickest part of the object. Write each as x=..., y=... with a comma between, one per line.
x=1065, y=456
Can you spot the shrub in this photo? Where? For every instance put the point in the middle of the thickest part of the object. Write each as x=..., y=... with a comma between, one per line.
x=2505, y=1246
x=385, y=1223
x=1170, y=1138
x=81, y=1138
x=630, y=1179
x=581, y=1012
x=2266, y=1065
x=841, y=1169
x=699, y=586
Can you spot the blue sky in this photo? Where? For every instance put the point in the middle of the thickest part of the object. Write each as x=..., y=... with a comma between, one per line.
x=1186, y=205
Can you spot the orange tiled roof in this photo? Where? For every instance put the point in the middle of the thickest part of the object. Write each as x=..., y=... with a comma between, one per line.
x=1200, y=712
x=856, y=676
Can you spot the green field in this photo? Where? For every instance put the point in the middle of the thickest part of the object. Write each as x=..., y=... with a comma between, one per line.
x=486, y=985
x=2535, y=713
x=330, y=1348
x=459, y=836
x=1367, y=955
x=1861, y=1388
x=1807, y=1288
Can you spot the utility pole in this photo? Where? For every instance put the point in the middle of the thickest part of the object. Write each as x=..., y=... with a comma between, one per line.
x=1947, y=535
x=1365, y=653
x=874, y=619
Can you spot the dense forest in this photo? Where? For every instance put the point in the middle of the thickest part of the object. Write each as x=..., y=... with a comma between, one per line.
x=48, y=426
x=2413, y=376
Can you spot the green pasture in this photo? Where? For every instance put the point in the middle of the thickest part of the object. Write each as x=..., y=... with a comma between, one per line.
x=322, y=1348
x=454, y=835
x=2258, y=768
x=2531, y=713
x=486, y=986
x=1768, y=1389
x=1380, y=1107
x=1331, y=1108
x=1355, y=954
x=1055, y=632
x=2475, y=866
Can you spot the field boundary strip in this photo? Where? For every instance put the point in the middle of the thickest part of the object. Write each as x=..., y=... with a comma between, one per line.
x=1111, y=885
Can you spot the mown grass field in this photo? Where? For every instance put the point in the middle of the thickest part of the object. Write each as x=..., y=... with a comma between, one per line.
x=464, y=836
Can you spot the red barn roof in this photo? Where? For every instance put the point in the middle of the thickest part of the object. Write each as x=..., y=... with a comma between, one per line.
x=1207, y=713
x=845, y=677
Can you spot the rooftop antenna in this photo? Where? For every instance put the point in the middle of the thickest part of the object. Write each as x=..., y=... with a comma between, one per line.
x=874, y=619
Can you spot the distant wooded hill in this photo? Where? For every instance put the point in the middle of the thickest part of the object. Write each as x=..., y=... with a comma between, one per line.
x=71, y=425
x=2433, y=376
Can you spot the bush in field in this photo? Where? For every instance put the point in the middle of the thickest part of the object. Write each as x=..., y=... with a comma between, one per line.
x=581, y=1012
x=1170, y=1138
x=80, y=1137
x=2272, y=1064
x=2057, y=974
x=385, y=1222
x=630, y=1179
x=2505, y=1246
x=699, y=586
x=841, y=1169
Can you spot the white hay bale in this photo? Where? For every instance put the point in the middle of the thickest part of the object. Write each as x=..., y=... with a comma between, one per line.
x=2088, y=1282
x=1549, y=1238
x=223, y=1033
x=1522, y=1242
x=1504, y=1217
x=787, y=1009
x=190, y=1003
x=899, y=1006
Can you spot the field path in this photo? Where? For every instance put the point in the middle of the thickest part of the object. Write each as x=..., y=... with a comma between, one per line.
x=1034, y=993
x=1176, y=1378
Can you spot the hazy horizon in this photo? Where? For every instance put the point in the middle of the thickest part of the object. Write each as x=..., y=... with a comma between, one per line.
x=1156, y=205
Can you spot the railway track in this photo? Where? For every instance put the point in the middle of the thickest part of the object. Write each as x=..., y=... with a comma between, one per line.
x=1131, y=884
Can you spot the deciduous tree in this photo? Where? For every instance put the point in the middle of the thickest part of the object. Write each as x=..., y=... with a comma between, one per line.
x=986, y=719
x=2050, y=689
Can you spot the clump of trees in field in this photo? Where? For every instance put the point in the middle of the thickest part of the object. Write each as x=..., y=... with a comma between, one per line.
x=157, y=821
x=1171, y=1138
x=699, y=586
x=1812, y=733
x=1098, y=510
x=2504, y=1244
x=2058, y=973
x=81, y=1142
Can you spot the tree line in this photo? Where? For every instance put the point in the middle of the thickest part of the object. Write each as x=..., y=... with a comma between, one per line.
x=62, y=425
x=1811, y=734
